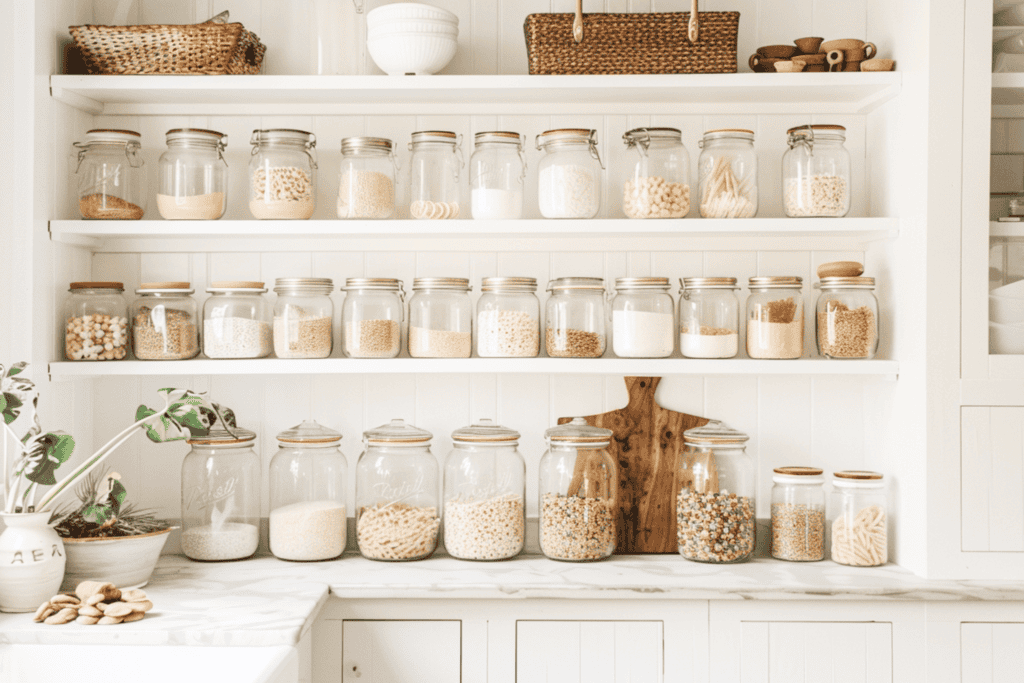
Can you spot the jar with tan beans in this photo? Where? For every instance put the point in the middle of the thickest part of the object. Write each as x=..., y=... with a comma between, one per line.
x=165, y=322
x=96, y=321
x=775, y=318
x=657, y=178
x=508, y=318
x=847, y=318
x=282, y=174
x=371, y=317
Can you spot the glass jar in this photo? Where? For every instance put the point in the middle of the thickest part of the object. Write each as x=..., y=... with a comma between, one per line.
x=579, y=490
x=303, y=317
x=397, y=494
x=798, y=514
x=709, y=317
x=165, y=322
x=508, y=318
x=371, y=317
x=728, y=174
x=220, y=496
x=193, y=175
x=657, y=178
x=96, y=321
x=440, y=318
x=847, y=320
x=111, y=175
x=816, y=172
x=497, y=171
x=715, y=507
x=575, y=315
x=643, y=320
x=368, y=170
x=308, y=515
x=569, y=174
x=236, y=321
x=775, y=318
x=860, y=527
x=484, y=493
x=282, y=174
x=435, y=167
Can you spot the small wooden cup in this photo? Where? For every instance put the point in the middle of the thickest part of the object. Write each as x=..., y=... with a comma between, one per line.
x=841, y=44
x=762, y=64
x=789, y=67
x=878, y=65
x=808, y=46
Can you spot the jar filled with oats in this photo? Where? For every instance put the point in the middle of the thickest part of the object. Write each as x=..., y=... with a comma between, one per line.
x=440, y=318
x=860, y=526
x=728, y=174
x=847, y=320
x=798, y=514
x=371, y=317
x=193, y=175
x=816, y=172
x=368, y=171
x=569, y=174
x=575, y=318
x=709, y=317
x=236, y=321
x=303, y=317
x=397, y=511
x=434, y=174
x=110, y=175
x=282, y=174
x=165, y=322
x=775, y=318
x=657, y=178
x=508, y=318
x=96, y=321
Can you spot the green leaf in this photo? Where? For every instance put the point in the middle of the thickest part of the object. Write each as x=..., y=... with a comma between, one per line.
x=45, y=454
x=10, y=407
x=98, y=514
x=16, y=369
x=227, y=414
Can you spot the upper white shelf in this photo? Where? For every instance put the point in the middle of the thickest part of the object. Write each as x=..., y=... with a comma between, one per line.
x=1007, y=95
x=811, y=93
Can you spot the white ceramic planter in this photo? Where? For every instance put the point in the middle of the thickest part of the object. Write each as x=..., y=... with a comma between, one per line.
x=31, y=561
x=126, y=562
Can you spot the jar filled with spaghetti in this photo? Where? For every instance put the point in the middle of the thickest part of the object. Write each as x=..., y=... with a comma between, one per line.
x=860, y=525
x=728, y=174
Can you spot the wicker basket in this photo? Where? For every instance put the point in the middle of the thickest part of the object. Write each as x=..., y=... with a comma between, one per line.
x=160, y=49
x=632, y=43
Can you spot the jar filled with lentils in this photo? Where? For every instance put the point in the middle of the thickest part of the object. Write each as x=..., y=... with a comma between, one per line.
x=111, y=175
x=96, y=321
x=368, y=171
x=165, y=322
x=508, y=318
x=282, y=174
x=371, y=317
x=575, y=315
x=798, y=514
x=303, y=317
x=440, y=318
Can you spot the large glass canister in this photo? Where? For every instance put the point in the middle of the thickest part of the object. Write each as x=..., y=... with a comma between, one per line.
x=220, y=496
x=643, y=319
x=715, y=510
x=434, y=172
x=569, y=174
x=484, y=493
x=709, y=317
x=165, y=322
x=816, y=172
x=798, y=514
x=308, y=514
x=397, y=510
x=575, y=318
x=497, y=171
x=303, y=317
x=368, y=176
x=282, y=174
x=775, y=318
x=508, y=318
x=372, y=317
x=728, y=174
x=96, y=321
x=440, y=318
x=110, y=175
x=193, y=175
x=847, y=318
x=579, y=490
x=860, y=527
x=236, y=321
x=657, y=174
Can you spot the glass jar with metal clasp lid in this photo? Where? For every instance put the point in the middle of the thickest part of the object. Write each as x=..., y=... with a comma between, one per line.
x=847, y=318
x=575, y=318
x=110, y=175
x=303, y=317
x=371, y=317
x=643, y=320
x=434, y=175
x=508, y=318
x=368, y=176
x=193, y=175
x=569, y=174
x=440, y=318
x=816, y=172
x=236, y=321
x=775, y=318
x=709, y=317
x=728, y=174
x=497, y=172
x=657, y=178
x=282, y=174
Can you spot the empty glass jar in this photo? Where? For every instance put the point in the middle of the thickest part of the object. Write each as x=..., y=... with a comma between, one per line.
x=440, y=318
x=575, y=315
x=775, y=318
x=96, y=321
x=110, y=175
x=435, y=167
x=371, y=317
x=798, y=514
x=497, y=171
x=860, y=524
x=282, y=174
x=508, y=318
x=643, y=320
x=709, y=317
x=303, y=317
x=657, y=177
x=193, y=175
x=236, y=321
x=847, y=320
x=816, y=172
x=368, y=172
x=728, y=174
x=569, y=174
x=165, y=322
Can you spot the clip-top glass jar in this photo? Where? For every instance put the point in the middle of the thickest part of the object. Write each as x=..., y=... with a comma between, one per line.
x=816, y=172
x=193, y=175
x=798, y=514
x=569, y=175
x=484, y=493
x=440, y=318
x=860, y=526
x=368, y=171
x=165, y=322
x=709, y=317
x=372, y=317
x=657, y=178
x=434, y=171
x=508, y=318
x=775, y=318
x=497, y=171
x=715, y=507
x=397, y=511
x=303, y=317
x=643, y=320
x=282, y=174
x=236, y=321
x=579, y=491
x=847, y=320
x=220, y=496
x=575, y=315
x=96, y=321
x=308, y=514
x=111, y=175
x=728, y=174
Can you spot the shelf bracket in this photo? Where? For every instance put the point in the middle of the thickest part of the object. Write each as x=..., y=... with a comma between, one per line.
x=73, y=99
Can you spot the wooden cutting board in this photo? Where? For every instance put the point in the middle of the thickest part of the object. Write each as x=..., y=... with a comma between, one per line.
x=647, y=442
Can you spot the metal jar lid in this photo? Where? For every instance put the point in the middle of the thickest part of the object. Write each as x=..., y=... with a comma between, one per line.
x=853, y=479
x=202, y=135
x=777, y=282
x=500, y=136
x=119, y=286
x=717, y=434
x=591, y=283
x=285, y=135
x=397, y=432
x=165, y=288
x=293, y=285
x=727, y=133
x=222, y=437
x=443, y=136
x=633, y=283
x=834, y=283
x=380, y=284
x=567, y=135
x=366, y=144
x=707, y=283
x=310, y=433
x=455, y=284
x=113, y=135
x=241, y=286
x=578, y=432
x=826, y=130
x=645, y=136
x=485, y=431
x=508, y=284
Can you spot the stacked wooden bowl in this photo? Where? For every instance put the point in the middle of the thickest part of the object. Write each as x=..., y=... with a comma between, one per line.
x=817, y=55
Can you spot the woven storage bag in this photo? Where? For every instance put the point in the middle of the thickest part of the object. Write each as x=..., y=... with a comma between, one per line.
x=632, y=43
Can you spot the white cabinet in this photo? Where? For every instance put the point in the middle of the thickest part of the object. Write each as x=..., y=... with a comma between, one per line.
x=991, y=653
x=992, y=486
x=402, y=651
x=589, y=651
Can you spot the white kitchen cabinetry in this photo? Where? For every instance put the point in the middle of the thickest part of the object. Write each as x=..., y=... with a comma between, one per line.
x=991, y=653
x=589, y=651
x=401, y=651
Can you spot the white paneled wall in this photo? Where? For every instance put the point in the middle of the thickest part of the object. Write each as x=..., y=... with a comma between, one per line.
x=992, y=484
x=991, y=653
x=589, y=651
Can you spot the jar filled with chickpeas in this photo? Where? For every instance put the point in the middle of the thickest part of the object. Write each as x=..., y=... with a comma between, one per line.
x=657, y=179
x=164, y=322
x=96, y=321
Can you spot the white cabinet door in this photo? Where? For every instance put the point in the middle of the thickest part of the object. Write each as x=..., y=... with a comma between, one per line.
x=589, y=651
x=402, y=651
x=991, y=653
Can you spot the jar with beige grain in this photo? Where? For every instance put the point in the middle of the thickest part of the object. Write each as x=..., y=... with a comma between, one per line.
x=775, y=318
x=193, y=175
x=576, y=318
x=440, y=318
x=798, y=514
x=570, y=173
x=236, y=321
x=816, y=172
x=303, y=317
x=368, y=171
x=508, y=318
x=371, y=317
x=657, y=177
x=110, y=175
x=727, y=168
x=847, y=318
x=435, y=171
x=282, y=174
x=165, y=322
x=96, y=321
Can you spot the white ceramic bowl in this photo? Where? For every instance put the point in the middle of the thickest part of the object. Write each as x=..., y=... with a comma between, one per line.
x=1006, y=310
x=409, y=10
x=126, y=562
x=1014, y=290
x=412, y=27
x=1005, y=338
x=412, y=53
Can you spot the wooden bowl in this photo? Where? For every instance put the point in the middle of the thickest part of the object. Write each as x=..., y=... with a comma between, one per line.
x=810, y=60
x=808, y=46
x=851, y=66
x=840, y=269
x=777, y=51
x=815, y=68
x=842, y=44
x=763, y=64
x=788, y=67
x=878, y=65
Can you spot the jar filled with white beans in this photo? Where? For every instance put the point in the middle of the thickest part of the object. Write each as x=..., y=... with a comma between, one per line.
x=860, y=525
x=569, y=175
x=96, y=321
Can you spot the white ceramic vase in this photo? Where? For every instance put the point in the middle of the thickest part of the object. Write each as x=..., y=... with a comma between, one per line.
x=32, y=561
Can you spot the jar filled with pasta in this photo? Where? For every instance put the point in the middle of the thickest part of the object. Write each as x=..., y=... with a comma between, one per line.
x=860, y=527
x=728, y=174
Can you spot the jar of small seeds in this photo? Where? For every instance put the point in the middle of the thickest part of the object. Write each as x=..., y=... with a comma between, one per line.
x=798, y=514
x=282, y=174
x=576, y=317
x=508, y=318
x=96, y=321
x=111, y=175
x=579, y=485
x=816, y=172
x=440, y=318
x=368, y=171
x=303, y=317
x=775, y=318
x=847, y=318
x=165, y=322
x=371, y=317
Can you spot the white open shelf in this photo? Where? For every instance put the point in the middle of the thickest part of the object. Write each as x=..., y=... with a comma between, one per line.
x=1006, y=229
x=1007, y=95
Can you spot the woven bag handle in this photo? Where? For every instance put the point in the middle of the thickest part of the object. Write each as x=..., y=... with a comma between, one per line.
x=577, y=23
x=693, y=30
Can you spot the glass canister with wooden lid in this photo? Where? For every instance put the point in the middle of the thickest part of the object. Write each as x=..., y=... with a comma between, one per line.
x=727, y=169
x=96, y=321
x=798, y=514
x=860, y=526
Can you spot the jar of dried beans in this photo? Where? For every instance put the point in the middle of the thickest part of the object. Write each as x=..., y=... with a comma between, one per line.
x=569, y=174
x=860, y=526
x=368, y=170
x=575, y=315
x=657, y=179
x=798, y=514
x=709, y=317
x=282, y=174
x=96, y=321
x=193, y=175
x=303, y=317
x=440, y=318
x=165, y=322
x=508, y=318
x=775, y=318
x=484, y=493
x=371, y=317
x=847, y=320
x=643, y=320
x=728, y=174
x=397, y=511
x=435, y=168
x=111, y=175
x=816, y=172
x=715, y=507
x=579, y=488
x=497, y=171
x=236, y=321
